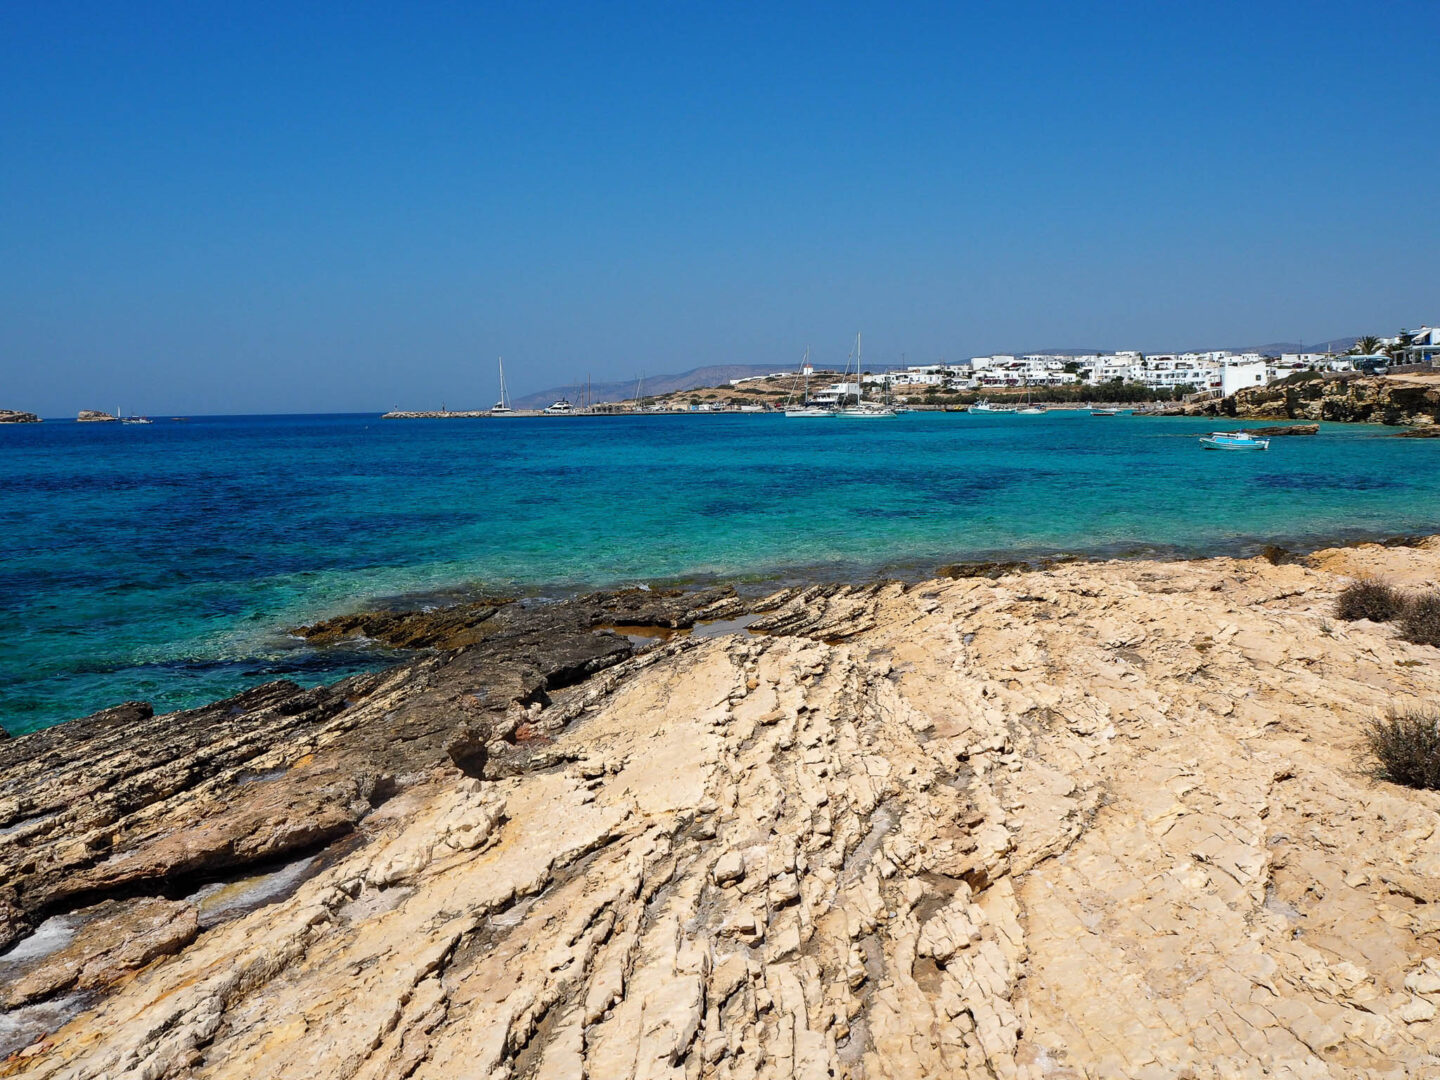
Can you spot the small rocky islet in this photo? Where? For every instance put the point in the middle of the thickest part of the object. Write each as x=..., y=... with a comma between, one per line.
x=1090, y=819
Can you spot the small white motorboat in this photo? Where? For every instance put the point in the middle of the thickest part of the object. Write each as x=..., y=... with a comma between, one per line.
x=1233, y=440
x=560, y=408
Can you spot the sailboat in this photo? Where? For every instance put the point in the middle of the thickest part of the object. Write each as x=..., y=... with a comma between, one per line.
x=503, y=405
x=1030, y=408
x=805, y=410
x=861, y=410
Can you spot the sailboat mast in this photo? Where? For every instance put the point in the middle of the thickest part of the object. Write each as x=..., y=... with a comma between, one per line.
x=859, y=386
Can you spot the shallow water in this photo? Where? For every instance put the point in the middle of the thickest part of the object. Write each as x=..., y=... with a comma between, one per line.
x=166, y=562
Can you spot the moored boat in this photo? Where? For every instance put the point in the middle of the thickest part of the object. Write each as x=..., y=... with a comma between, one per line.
x=503, y=405
x=559, y=408
x=1233, y=440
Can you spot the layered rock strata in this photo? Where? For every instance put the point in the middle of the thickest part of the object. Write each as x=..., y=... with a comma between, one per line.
x=1098, y=820
x=13, y=416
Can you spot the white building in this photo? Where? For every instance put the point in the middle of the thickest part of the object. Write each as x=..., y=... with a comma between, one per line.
x=1242, y=373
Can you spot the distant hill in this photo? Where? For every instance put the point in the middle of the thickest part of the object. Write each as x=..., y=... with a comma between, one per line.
x=714, y=375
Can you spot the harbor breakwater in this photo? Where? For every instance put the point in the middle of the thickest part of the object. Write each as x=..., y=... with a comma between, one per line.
x=883, y=830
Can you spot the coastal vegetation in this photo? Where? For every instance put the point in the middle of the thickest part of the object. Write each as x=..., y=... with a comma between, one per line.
x=1418, y=616
x=1373, y=600
x=1420, y=621
x=1407, y=745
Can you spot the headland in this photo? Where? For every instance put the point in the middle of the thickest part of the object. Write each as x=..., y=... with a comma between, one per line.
x=1095, y=819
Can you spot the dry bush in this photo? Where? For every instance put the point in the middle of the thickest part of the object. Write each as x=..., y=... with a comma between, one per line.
x=1420, y=624
x=1373, y=600
x=1407, y=745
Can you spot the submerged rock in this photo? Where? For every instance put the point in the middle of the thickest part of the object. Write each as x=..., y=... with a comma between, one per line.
x=1285, y=429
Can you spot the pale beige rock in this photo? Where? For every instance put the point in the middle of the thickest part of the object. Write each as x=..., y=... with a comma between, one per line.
x=1103, y=820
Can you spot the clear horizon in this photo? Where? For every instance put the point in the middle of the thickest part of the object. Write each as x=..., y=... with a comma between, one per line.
x=350, y=208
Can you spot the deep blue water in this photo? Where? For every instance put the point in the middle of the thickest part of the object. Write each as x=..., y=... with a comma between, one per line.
x=166, y=562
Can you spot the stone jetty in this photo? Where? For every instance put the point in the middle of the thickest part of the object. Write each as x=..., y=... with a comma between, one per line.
x=1089, y=820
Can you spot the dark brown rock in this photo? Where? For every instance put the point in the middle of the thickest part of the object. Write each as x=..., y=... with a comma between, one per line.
x=1286, y=429
x=444, y=628
x=12, y=416
x=467, y=750
x=982, y=569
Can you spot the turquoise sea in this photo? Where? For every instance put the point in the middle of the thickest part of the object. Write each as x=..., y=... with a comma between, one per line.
x=166, y=562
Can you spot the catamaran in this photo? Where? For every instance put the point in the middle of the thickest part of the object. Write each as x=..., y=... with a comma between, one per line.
x=1233, y=440
x=805, y=410
x=862, y=410
x=503, y=405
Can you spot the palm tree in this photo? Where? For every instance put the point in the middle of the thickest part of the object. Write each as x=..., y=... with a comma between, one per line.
x=1366, y=346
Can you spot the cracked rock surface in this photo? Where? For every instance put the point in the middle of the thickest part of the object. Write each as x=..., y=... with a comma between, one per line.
x=1095, y=820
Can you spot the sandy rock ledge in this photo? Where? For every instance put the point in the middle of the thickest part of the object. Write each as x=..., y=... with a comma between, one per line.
x=1097, y=820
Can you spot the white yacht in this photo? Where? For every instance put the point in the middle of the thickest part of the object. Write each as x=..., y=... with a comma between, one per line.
x=560, y=408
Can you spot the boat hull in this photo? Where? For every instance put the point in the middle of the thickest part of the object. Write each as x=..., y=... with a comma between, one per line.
x=1221, y=444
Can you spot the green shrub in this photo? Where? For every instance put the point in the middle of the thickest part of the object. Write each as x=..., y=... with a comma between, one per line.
x=1407, y=745
x=1372, y=600
x=1420, y=623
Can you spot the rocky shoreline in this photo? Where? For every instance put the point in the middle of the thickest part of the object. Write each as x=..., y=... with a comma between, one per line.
x=1401, y=400
x=883, y=830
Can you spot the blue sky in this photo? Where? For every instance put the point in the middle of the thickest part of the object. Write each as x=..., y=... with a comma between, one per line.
x=353, y=206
